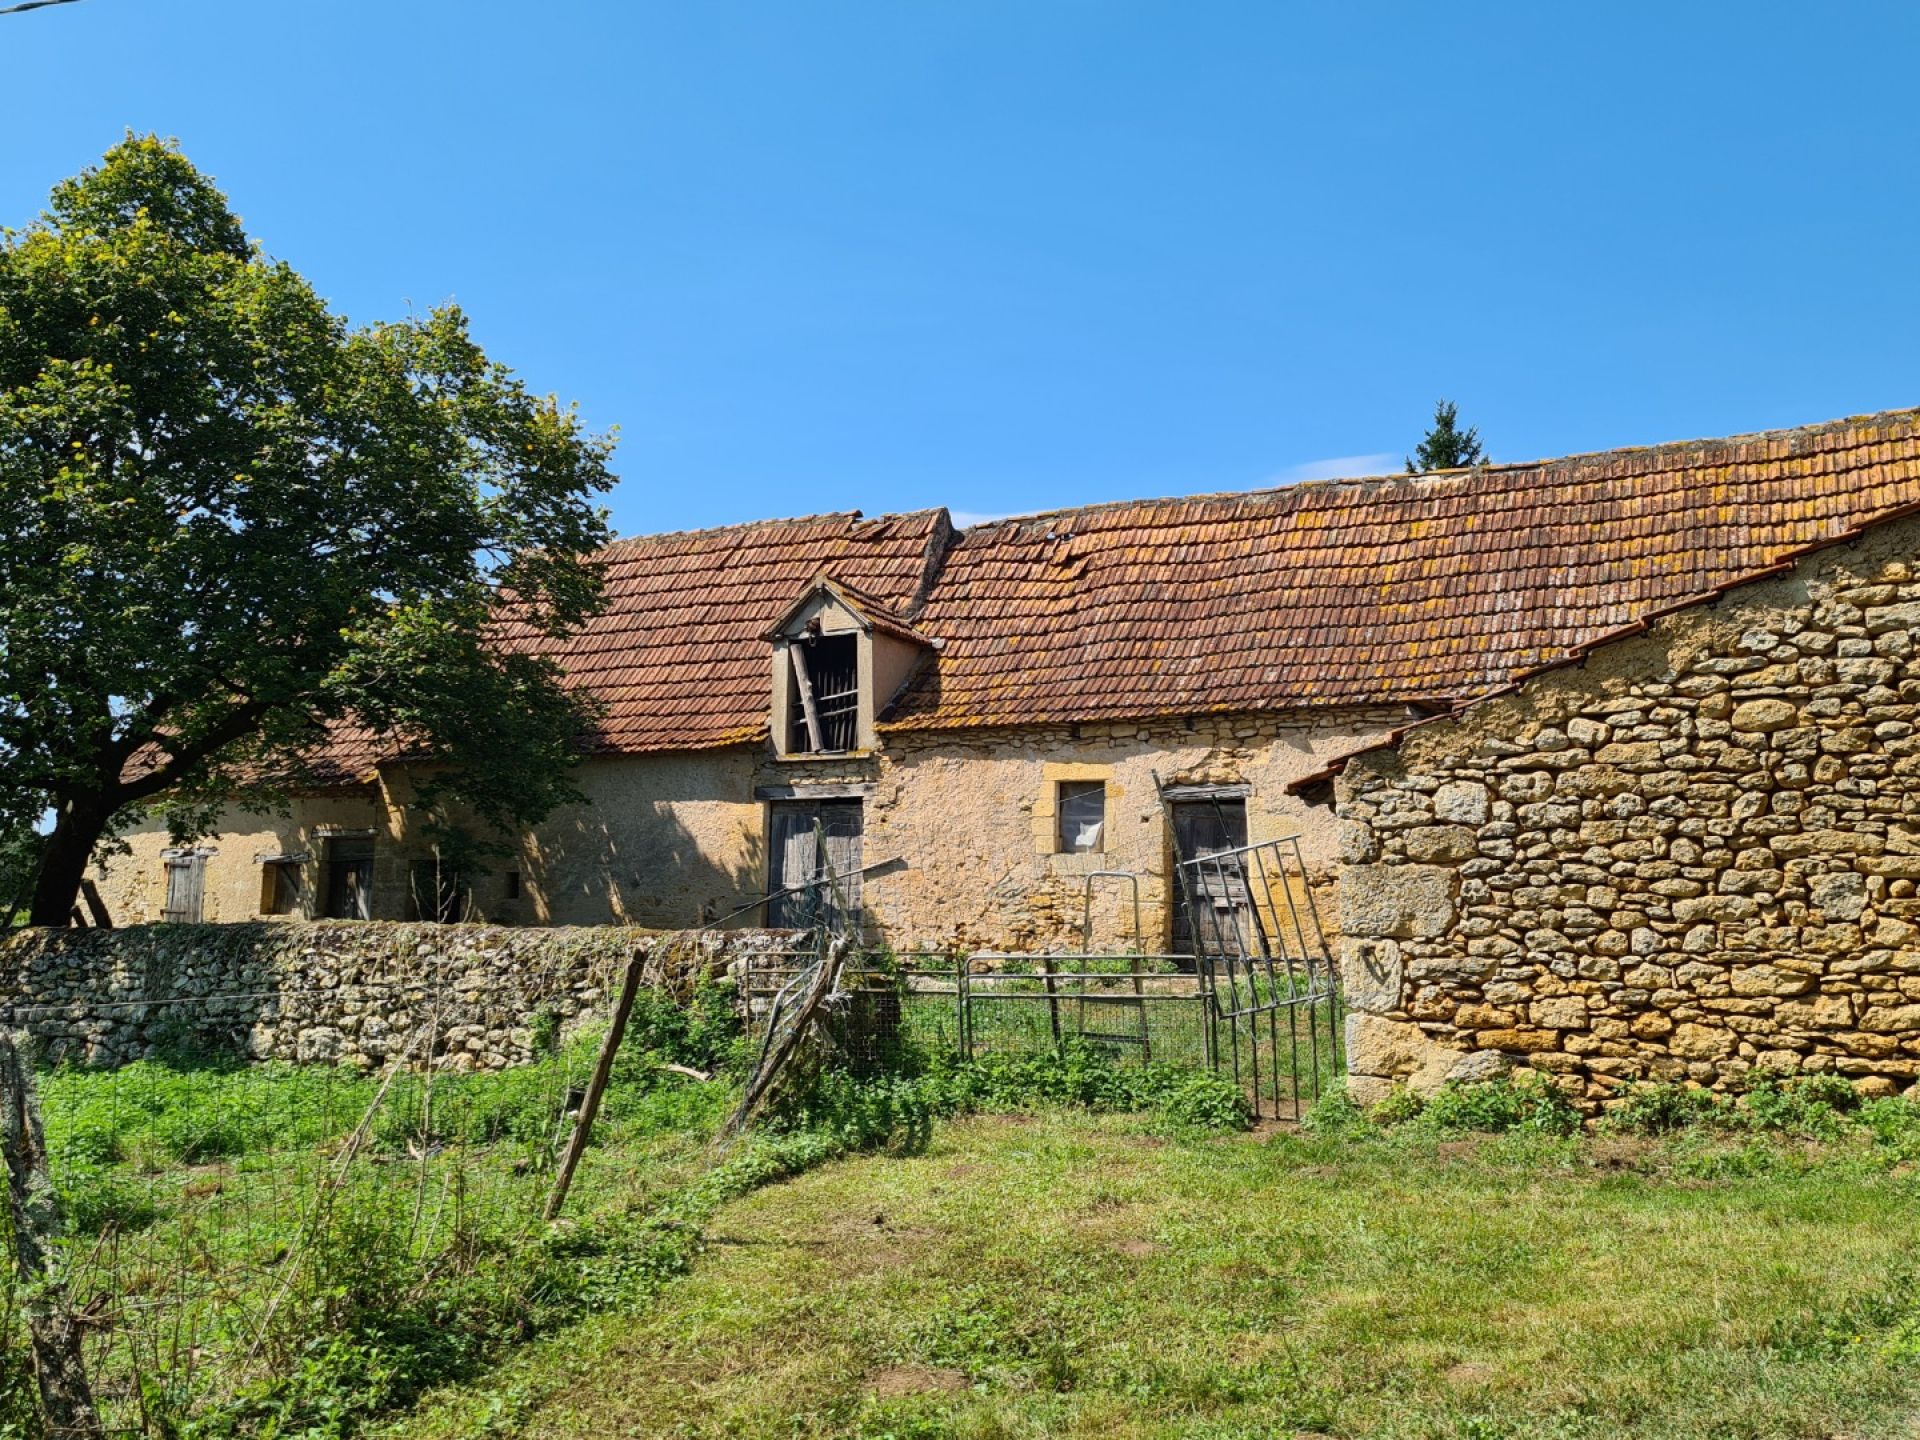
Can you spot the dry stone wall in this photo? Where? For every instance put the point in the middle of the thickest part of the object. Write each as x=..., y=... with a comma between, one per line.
x=342, y=991
x=1694, y=855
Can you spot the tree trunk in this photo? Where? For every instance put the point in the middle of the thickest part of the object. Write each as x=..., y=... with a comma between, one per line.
x=77, y=828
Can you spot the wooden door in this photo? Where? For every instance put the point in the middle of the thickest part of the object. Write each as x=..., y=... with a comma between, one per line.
x=1217, y=894
x=349, y=879
x=803, y=883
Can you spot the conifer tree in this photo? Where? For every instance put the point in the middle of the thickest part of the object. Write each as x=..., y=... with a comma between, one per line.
x=1446, y=446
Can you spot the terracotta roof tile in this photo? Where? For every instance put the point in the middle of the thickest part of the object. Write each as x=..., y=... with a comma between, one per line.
x=1397, y=590
x=678, y=656
x=1381, y=591
x=1783, y=564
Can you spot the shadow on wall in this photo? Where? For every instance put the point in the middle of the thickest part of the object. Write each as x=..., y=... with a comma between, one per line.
x=644, y=865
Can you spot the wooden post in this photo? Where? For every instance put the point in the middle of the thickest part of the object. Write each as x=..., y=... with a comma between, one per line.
x=66, y=1399
x=95, y=905
x=800, y=678
x=596, y=1087
x=825, y=976
x=1053, y=1000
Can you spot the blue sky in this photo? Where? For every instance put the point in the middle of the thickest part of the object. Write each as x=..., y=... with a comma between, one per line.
x=1012, y=254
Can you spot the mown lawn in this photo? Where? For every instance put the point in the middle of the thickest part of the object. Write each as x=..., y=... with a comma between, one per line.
x=1076, y=1275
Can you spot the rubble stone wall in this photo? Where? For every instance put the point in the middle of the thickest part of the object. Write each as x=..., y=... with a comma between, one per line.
x=1695, y=854
x=344, y=991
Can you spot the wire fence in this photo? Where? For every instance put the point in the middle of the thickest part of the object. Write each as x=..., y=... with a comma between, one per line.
x=1276, y=1034
x=213, y=1207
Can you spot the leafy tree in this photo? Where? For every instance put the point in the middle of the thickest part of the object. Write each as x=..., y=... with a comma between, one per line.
x=229, y=521
x=1446, y=446
x=19, y=859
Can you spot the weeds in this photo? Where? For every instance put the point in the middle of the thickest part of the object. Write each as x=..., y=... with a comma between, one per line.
x=198, y=1183
x=1823, y=1108
x=1523, y=1103
x=896, y=1112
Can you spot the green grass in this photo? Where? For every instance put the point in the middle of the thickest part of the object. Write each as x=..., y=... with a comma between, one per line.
x=242, y=1279
x=1064, y=1274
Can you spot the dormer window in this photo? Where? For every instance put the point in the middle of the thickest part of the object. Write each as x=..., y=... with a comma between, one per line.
x=824, y=716
x=840, y=657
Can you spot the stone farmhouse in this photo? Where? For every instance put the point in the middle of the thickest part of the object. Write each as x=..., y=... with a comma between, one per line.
x=980, y=719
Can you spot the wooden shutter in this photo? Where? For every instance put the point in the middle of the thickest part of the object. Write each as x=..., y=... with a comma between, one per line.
x=186, y=887
x=792, y=847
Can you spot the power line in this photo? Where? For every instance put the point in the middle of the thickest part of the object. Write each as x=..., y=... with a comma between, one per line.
x=32, y=5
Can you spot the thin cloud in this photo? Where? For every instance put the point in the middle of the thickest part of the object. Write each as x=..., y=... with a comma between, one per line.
x=1340, y=467
x=967, y=519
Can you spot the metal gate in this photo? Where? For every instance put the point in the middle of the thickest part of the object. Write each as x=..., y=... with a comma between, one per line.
x=1263, y=964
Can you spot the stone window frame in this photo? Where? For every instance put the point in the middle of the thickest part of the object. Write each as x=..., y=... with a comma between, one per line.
x=1046, y=806
x=1064, y=793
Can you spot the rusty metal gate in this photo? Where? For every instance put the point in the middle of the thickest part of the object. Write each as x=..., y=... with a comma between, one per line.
x=1261, y=959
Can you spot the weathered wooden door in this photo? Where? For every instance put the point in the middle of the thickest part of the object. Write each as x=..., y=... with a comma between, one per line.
x=349, y=879
x=804, y=883
x=186, y=887
x=1211, y=901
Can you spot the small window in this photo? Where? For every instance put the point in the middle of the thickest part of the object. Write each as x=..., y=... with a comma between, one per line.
x=826, y=673
x=512, y=885
x=279, y=887
x=1081, y=806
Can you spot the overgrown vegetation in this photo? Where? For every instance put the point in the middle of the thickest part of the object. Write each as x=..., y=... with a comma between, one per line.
x=305, y=1294
x=1817, y=1108
x=310, y=1298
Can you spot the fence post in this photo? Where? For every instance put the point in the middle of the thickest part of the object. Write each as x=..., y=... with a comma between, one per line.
x=1053, y=1000
x=963, y=1002
x=596, y=1087
x=66, y=1399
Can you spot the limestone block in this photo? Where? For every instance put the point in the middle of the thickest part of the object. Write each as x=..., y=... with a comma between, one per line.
x=1357, y=842
x=1461, y=802
x=1764, y=716
x=1442, y=844
x=1822, y=1012
x=1840, y=897
x=1567, y=1012
x=1482, y=1017
x=1588, y=733
x=1701, y=1042
x=1478, y=1066
x=1906, y=616
x=1371, y=973
x=1396, y=901
x=1758, y=980
x=1395, y=1050
x=1892, y=1020
x=1624, y=752
x=1522, y=1042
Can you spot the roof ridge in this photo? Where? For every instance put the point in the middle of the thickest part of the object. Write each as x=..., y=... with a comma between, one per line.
x=1577, y=459
x=852, y=517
